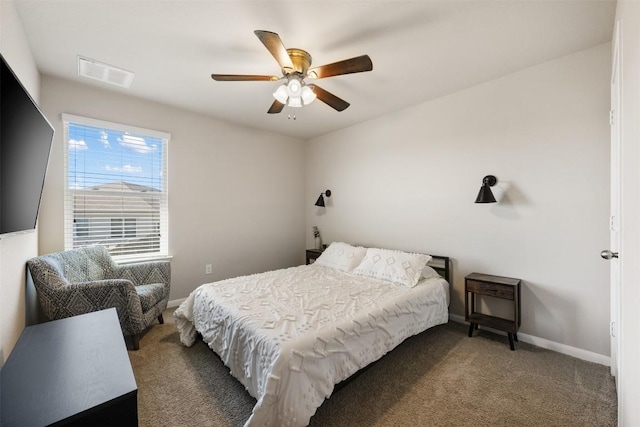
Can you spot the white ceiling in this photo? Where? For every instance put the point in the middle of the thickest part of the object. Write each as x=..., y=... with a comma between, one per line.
x=420, y=50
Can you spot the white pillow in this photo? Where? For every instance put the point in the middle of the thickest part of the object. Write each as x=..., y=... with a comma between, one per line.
x=341, y=256
x=398, y=267
x=428, y=273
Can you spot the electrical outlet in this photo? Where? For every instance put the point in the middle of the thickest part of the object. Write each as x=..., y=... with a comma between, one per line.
x=208, y=269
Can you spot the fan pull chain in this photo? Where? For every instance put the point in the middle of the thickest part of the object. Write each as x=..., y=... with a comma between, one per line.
x=289, y=117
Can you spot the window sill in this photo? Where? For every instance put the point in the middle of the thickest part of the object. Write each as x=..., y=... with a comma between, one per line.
x=138, y=260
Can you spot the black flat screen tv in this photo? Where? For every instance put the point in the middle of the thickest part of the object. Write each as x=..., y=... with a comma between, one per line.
x=25, y=143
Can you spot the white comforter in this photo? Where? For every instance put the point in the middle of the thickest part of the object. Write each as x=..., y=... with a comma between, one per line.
x=290, y=335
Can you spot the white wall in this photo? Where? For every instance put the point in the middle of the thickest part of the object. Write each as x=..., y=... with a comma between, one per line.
x=628, y=17
x=235, y=194
x=15, y=249
x=408, y=181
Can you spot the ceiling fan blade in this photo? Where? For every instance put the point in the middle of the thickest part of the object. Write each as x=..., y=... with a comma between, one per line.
x=358, y=64
x=328, y=98
x=276, y=107
x=275, y=46
x=242, y=77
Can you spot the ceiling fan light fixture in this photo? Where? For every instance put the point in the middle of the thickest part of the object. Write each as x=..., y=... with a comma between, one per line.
x=295, y=101
x=294, y=87
x=281, y=94
x=295, y=93
x=308, y=95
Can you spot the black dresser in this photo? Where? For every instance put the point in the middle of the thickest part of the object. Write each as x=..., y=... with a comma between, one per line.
x=70, y=372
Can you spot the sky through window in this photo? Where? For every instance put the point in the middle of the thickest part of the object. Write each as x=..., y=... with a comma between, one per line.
x=99, y=156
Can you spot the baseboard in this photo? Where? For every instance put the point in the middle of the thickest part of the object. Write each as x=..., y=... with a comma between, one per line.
x=579, y=353
x=175, y=302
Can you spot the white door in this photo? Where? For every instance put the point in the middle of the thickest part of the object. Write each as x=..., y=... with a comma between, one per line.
x=612, y=253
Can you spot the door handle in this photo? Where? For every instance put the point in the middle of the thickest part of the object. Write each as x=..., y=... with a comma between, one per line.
x=608, y=254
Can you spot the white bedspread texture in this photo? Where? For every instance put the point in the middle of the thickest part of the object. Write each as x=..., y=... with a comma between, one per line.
x=290, y=335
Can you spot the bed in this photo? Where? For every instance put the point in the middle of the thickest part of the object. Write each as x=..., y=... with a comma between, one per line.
x=291, y=335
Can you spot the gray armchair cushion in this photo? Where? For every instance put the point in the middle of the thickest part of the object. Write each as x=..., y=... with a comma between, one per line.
x=87, y=279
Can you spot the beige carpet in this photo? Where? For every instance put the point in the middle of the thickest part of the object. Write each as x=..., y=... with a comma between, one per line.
x=438, y=378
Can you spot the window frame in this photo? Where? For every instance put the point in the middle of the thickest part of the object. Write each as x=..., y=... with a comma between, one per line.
x=70, y=226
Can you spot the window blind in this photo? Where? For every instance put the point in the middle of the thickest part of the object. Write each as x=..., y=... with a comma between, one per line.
x=116, y=189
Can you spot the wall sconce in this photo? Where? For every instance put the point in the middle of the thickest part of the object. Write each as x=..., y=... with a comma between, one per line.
x=485, y=195
x=320, y=201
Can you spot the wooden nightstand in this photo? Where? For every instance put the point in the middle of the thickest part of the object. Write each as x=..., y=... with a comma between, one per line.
x=312, y=255
x=498, y=287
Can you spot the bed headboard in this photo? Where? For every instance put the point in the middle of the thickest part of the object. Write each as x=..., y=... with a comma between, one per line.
x=442, y=265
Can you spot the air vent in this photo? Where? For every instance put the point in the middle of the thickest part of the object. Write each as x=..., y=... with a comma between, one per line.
x=104, y=72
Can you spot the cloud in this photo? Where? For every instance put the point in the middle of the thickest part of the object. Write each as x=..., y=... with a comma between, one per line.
x=104, y=137
x=77, y=145
x=124, y=168
x=136, y=143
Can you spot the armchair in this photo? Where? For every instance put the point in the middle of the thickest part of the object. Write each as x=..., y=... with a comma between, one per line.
x=87, y=279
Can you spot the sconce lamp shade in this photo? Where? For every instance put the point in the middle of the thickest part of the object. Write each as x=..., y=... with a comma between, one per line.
x=485, y=195
x=320, y=201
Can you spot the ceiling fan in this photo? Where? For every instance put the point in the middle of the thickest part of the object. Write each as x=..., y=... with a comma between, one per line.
x=295, y=63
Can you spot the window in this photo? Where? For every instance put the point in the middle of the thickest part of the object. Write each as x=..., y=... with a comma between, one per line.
x=115, y=188
x=81, y=228
x=116, y=228
x=130, y=227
